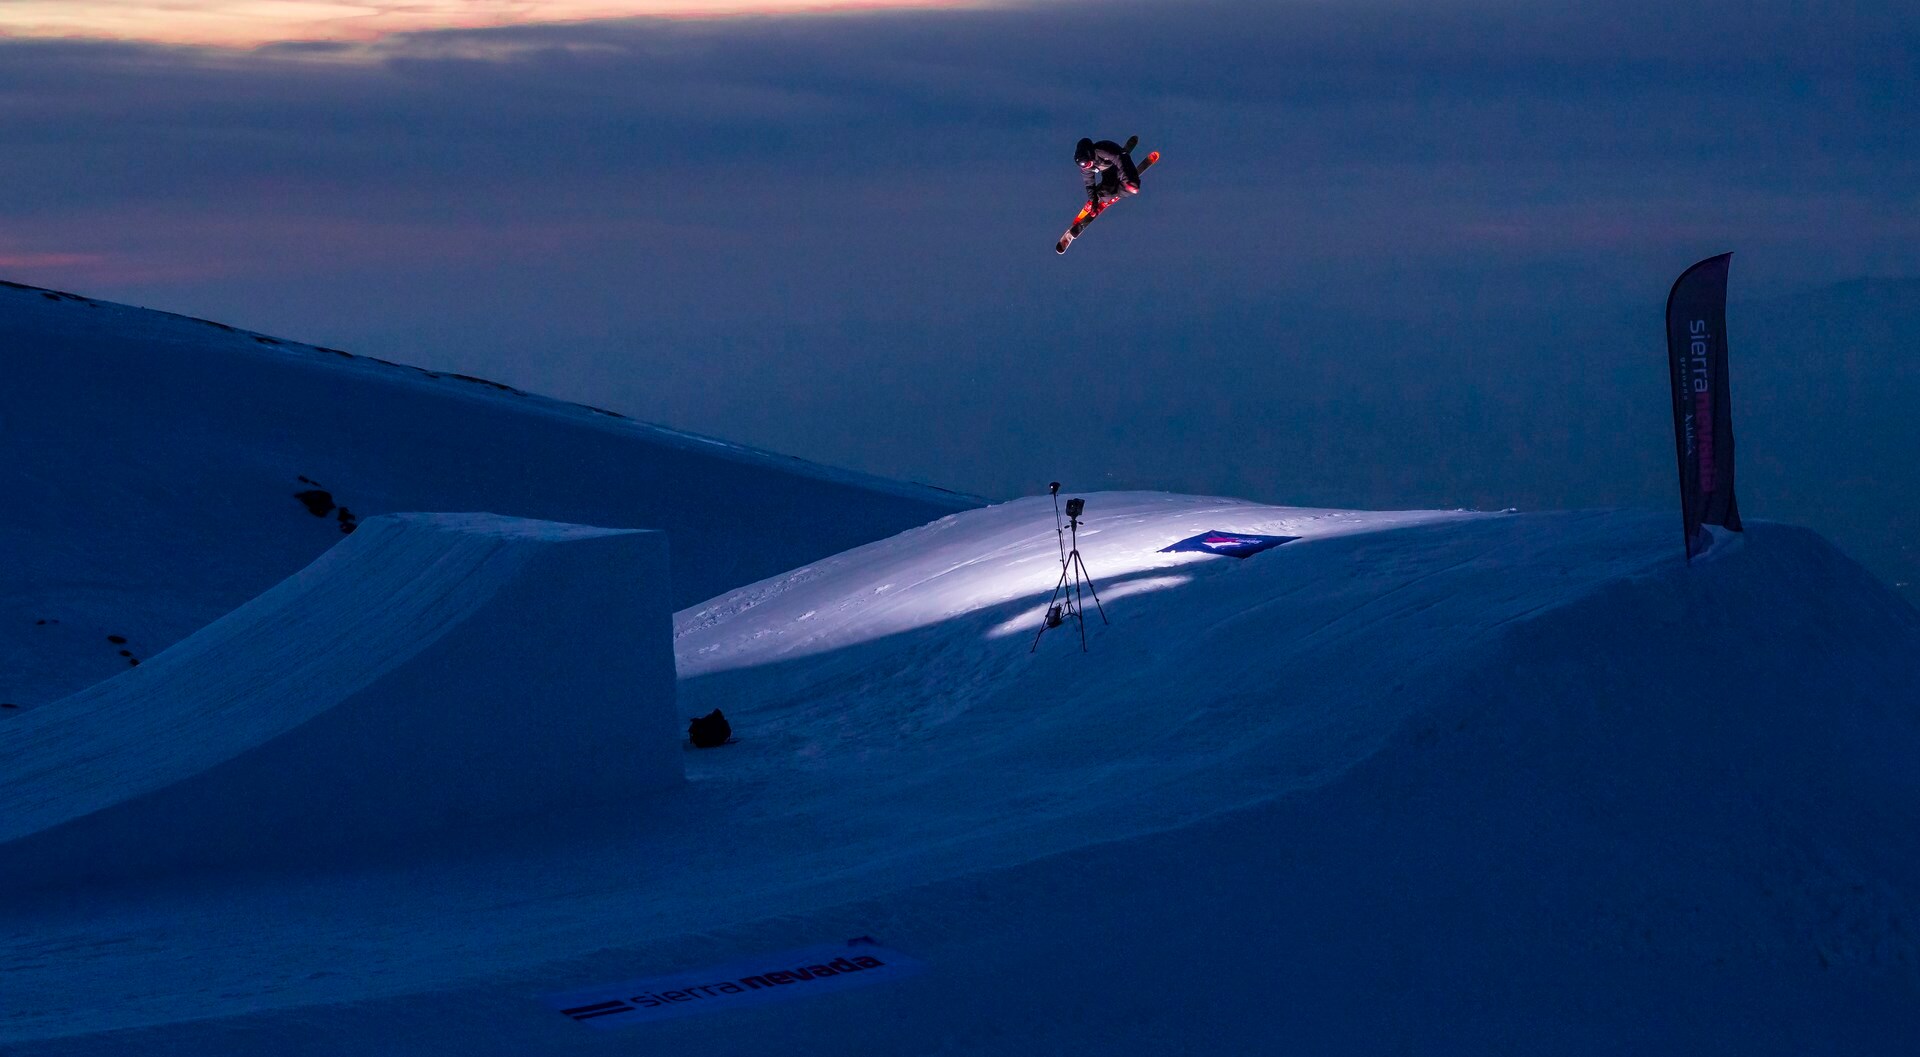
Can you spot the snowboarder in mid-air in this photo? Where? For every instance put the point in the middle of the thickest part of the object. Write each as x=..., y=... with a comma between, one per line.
x=1110, y=175
x=1108, y=168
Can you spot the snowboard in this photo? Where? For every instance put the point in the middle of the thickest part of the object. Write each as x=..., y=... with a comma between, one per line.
x=1089, y=211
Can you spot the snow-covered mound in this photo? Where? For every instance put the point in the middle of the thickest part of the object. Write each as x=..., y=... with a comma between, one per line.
x=1415, y=782
x=429, y=671
x=1241, y=681
x=160, y=471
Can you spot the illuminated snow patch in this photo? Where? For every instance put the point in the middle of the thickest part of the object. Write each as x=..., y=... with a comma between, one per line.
x=1030, y=620
x=987, y=572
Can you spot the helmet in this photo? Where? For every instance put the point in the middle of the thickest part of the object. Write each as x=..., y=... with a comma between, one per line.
x=1083, y=153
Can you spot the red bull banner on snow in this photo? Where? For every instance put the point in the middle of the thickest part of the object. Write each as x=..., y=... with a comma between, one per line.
x=738, y=985
x=1702, y=411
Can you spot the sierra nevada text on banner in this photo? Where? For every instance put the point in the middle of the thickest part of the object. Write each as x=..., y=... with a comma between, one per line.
x=1702, y=410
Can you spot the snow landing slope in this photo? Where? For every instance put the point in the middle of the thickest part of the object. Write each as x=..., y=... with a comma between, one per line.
x=428, y=671
x=159, y=471
x=1418, y=782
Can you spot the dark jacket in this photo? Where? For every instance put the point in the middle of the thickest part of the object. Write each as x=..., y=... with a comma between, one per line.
x=1110, y=159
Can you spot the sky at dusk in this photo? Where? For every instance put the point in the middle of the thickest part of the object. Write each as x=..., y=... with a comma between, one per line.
x=1396, y=253
x=249, y=23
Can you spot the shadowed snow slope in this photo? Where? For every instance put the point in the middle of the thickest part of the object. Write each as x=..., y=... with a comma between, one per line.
x=430, y=670
x=159, y=471
x=1417, y=782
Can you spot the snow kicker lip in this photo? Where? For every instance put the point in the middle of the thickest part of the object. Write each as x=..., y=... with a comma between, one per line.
x=397, y=687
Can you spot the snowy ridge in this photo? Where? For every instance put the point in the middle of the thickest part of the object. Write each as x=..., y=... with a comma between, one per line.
x=163, y=471
x=1417, y=776
x=418, y=671
x=161, y=327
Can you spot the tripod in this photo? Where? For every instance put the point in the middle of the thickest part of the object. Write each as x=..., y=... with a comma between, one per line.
x=1071, y=604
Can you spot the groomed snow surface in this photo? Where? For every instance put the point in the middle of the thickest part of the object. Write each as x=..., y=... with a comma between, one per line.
x=1416, y=782
x=431, y=672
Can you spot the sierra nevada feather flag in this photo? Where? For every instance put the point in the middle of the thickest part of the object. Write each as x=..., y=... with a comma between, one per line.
x=1702, y=413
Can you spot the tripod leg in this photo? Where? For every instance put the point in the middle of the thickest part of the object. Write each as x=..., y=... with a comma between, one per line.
x=1080, y=614
x=1049, y=610
x=1081, y=568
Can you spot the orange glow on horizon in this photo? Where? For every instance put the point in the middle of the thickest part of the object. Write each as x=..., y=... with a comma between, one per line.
x=251, y=23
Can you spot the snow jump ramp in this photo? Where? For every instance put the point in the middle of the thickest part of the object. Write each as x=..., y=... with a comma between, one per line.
x=431, y=674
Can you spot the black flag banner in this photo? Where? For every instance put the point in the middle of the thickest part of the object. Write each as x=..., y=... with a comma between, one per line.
x=1702, y=413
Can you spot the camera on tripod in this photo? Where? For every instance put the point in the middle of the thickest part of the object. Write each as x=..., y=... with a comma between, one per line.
x=1075, y=582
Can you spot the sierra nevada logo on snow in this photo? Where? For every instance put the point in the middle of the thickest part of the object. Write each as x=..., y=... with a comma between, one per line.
x=764, y=979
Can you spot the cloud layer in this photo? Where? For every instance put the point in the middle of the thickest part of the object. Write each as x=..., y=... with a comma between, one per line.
x=250, y=23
